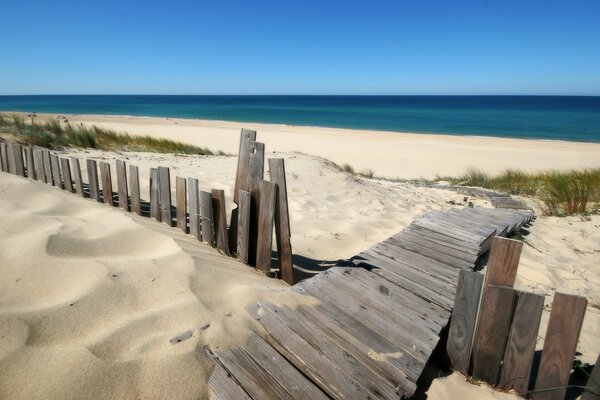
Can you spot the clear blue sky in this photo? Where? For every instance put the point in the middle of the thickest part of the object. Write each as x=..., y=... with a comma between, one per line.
x=300, y=47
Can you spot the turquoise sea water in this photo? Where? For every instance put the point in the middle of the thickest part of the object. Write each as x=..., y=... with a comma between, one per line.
x=574, y=118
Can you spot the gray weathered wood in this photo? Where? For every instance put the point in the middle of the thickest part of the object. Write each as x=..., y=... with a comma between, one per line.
x=282, y=221
x=30, y=163
x=92, y=170
x=18, y=155
x=243, y=229
x=243, y=167
x=107, y=189
x=164, y=187
x=38, y=158
x=462, y=324
x=560, y=344
x=154, y=195
x=4, y=156
x=77, y=176
x=222, y=386
x=220, y=220
x=134, y=184
x=592, y=391
x=268, y=192
x=12, y=168
x=503, y=262
x=520, y=347
x=122, y=185
x=194, y=206
x=56, y=176
x=66, y=171
x=492, y=332
x=256, y=175
x=181, y=200
x=206, y=215
x=47, y=166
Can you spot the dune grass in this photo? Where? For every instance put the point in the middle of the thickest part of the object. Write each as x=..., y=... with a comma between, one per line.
x=54, y=133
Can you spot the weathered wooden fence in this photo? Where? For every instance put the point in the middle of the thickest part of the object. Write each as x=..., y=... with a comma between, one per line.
x=494, y=329
x=261, y=205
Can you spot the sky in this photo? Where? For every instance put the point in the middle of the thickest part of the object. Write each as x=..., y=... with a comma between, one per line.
x=300, y=47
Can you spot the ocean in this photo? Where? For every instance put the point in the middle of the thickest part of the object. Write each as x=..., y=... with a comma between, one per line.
x=574, y=118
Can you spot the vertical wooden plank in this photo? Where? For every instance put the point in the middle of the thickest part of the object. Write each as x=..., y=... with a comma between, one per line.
x=462, y=323
x=30, y=162
x=560, y=344
x=503, y=261
x=243, y=229
x=220, y=220
x=282, y=221
x=4, y=154
x=164, y=189
x=592, y=391
x=47, y=166
x=19, y=164
x=56, y=178
x=206, y=215
x=154, y=195
x=122, y=185
x=492, y=332
x=77, y=176
x=134, y=183
x=107, y=190
x=181, y=200
x=66, y=170
x=520, y=348
x=268, y=192
x=194, y=205
x=256, y=175
x=38, y=158
x=12, y=168
x=92, y=169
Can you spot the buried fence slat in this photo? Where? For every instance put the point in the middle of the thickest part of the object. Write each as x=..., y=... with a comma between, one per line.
x=592, y=391
x=92, y=169
x=122, y=185
x=243, y=228
x=164, y=189
x=66, y=170
x=256, y=175
x=206, y=215
x=4, y=156
x=520, y=347
x=107, y=193
x=220, y=220
x=47, y=166
x=134, y=183
x=77, y=176
x=154, y=195
x=56, y=178
x=282, y=221
x=181, y=200
x=19, y=165
x=194, y=205
x=462, y=323
x=12, y=168
x=30, y=162
x=560, y=344
x=503, y=262
x=38, y=161
x=268, y=192
x=491, y=333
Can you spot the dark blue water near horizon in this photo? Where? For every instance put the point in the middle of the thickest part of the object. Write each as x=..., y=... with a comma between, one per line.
x=575, y=118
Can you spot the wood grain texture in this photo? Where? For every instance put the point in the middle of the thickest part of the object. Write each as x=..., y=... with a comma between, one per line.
x=520, y=347
x=92, y=170
x=194, y=206
x=243, y=167
x=77, y=176
x=164, y=187
x=222, y=386
x=122, y=185
x=30, y=162
x=12, y=168
x=47, y=166
x=56, y=178
x=243, y=229
x=4, y=156
x=492, y=332
x=181, y=201
x=282, y=220
x=206, y=215
x=560, y=344
x=503, y=262
x=220, y=220
x=268, y=193
x=134, y=184
x=38, y=158
x=593, y=384
x=66, y=171
x=464, y=315
x=256, y=175
x=19, y=163
x=107, y=189
x=154, y=195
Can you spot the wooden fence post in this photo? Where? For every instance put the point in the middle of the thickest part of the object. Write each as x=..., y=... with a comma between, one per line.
x=194, y=205
x=181, y=201
x=92, y=170
x=268, y=192
x=66, y=170
x=462, y=323
x=503, y=262
x=256, y=175
x=19, y=165
x=56, y=178
x=30, y=163
x=154, y=195
x=77, y=177
x=38, y=157
x=122, y=185
x=243, y=229
x=12, y=168
x=282, y=221
x=206, y=215
x=220, y=220
x=593, y=384
x=107, y=192
x=560, y=344
x=164, y=188
x=4, y=156
x=47, y=166
x=134, y=183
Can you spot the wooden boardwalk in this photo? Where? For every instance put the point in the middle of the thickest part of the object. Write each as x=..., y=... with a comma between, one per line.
x=376, y=323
